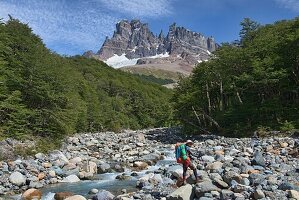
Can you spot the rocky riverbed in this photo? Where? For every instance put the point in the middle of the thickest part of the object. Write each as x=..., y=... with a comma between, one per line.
x=229, y=168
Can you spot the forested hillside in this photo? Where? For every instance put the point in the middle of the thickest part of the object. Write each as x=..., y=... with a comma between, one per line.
x=250, y=84
x=45, y=94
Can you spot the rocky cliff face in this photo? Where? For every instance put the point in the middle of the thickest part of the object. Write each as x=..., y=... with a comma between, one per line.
x=133, y=40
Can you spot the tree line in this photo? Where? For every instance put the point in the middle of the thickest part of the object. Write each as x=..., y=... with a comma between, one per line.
x=47, y=95
x=249, y=84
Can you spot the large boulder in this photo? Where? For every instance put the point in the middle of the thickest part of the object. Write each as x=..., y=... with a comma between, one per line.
x=32, y=194
x=62, y=195
x=205, y=187
x=183, y=193
x=17, y=178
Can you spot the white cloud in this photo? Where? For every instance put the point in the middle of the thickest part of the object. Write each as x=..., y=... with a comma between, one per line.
x=140, y=8
x=74, y=26
x=289, y=4
x=66, y=27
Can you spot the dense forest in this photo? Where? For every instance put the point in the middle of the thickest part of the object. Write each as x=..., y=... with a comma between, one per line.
x=250, y=84
x=43, y=94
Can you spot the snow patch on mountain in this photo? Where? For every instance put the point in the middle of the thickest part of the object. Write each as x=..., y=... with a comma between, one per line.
x=117, y=61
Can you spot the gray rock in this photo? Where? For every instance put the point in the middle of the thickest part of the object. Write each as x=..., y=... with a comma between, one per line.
x=103, y=195
x=76, y=197
x=287, y=186
x=35, y=184
x=293, y=194
x=245, y=181
x=17, y=179
x=40, y=156
x=182, y=193
x=104, y=168
x=93, y=191
x=259, y=194
x=257, y=179
x=204, y=187
x=226, y=194
x=71, y=179
x=220, y=184
x=231, y=175
x=208, y=158
x=205, y=198
x=258, y=159
x=214, y=166
x=72, y=172
x=57, y=170
x=58, y=155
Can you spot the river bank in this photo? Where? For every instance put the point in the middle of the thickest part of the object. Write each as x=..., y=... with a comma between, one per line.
x=229, y=168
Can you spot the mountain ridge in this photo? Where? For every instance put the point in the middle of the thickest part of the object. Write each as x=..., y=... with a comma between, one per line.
x=133, y=43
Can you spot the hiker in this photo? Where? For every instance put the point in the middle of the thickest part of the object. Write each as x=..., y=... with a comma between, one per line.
x=185, y=159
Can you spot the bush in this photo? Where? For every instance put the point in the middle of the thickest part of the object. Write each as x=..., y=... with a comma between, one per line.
x=287, y=126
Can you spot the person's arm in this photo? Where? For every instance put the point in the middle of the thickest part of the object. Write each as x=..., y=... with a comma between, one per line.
x=191, y=155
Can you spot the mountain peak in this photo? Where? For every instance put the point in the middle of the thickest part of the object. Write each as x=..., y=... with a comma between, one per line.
x=133, y=40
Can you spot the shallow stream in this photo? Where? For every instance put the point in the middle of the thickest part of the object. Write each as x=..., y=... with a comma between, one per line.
x=105, y=181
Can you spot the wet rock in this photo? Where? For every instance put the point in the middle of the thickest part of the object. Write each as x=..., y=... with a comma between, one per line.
x=123, y=177
x=93, y=191
x=62, y=195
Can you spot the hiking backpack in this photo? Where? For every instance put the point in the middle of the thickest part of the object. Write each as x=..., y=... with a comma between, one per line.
x=180, y=152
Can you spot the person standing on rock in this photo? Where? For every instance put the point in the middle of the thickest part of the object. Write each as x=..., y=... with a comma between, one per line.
x=186, y=157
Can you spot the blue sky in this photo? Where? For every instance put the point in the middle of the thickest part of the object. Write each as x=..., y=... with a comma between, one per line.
x=72, y=27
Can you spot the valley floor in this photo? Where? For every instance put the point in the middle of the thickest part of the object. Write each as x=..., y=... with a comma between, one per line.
x=228, y=168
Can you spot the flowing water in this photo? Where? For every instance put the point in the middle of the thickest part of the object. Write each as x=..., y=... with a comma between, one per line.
x=105, y=181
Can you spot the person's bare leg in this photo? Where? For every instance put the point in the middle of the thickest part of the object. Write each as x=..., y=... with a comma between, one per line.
x=184, y=173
